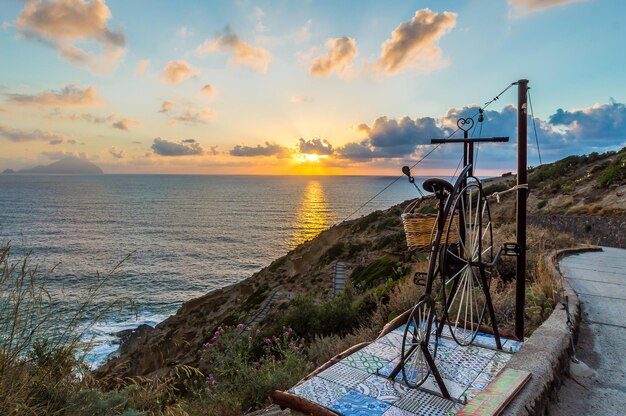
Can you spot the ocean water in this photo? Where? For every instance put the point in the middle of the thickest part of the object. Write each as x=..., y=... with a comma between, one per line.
x=179, y=237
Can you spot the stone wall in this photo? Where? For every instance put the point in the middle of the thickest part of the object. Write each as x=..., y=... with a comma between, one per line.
x=601, y=231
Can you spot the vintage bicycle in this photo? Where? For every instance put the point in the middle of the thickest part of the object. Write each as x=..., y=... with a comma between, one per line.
x=461, y=261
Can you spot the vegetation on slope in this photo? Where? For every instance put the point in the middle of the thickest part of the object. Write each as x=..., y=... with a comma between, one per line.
x=201, y=361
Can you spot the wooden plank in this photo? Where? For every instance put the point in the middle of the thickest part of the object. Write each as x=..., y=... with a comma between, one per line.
x=497, y=395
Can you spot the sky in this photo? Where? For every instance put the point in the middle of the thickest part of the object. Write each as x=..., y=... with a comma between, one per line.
x=304, y=87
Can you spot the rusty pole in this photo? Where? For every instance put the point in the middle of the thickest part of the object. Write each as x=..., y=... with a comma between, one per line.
x=522, y=193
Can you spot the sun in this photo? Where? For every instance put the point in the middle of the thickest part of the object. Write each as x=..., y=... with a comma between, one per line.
x=308, y=157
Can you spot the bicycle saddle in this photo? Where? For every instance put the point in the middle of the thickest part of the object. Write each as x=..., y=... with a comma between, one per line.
x=437, y=185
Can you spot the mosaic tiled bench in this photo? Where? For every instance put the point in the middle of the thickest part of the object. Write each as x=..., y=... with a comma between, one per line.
x=358, y=384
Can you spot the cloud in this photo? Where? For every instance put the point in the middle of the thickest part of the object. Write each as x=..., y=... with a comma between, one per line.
x=341, y=54
x=167, y=107
x=391, y=138
x=315, y=146
x=301, y=99
x=68, y=96
x=16, y=135
x=58, y=155
x=117, y=153
x=519, y=8
x=269, y=149
x=202, y=116
x=62, y=24
x=183, y=32
x=125, y=123
x=187, y=147
x=414, y=43
x=208, y=89
x=142, y=67
x=176, y=72
x=243, y=53
x=596, y=124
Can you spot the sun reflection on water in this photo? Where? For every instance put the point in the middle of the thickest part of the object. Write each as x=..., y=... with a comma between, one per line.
x=313, y=214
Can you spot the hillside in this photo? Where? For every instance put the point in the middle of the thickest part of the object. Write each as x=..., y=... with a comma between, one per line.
x=374, y=251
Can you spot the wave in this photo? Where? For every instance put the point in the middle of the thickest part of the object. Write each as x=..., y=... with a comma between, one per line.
x=103, y=341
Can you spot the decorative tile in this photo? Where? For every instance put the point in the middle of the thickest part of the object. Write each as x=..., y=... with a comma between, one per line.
x=453, y=357
x=447, y=370
x=483, y=352
x=512, y=346
x=357, y=404
x=381, y=350
x=413, y=400
x=396, y=411
x=388, y=368
x=465, y=376
x=428, y=410
x=455, y=389
x=474, y=362
x=487, y=341
x=344, y=375
x=497, y=363
x=392, y=339
x=320, y=391
x=447, y=342
x=381, y=389
x=364, y=361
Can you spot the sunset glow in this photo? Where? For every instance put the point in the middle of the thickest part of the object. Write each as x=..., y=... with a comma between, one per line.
x=290, y=88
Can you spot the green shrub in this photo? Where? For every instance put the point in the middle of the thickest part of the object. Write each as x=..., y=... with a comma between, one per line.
x=375, y=273
x=496, y=187
x=241, y=379
x=614, y=174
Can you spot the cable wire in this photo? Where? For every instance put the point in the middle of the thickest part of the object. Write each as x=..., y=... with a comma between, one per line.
x=532, y=117
x=426, y=155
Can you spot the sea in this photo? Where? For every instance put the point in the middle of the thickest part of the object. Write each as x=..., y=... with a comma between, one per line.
x=160, y=240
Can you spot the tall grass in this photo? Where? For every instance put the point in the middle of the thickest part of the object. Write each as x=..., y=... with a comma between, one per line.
x=42, y=352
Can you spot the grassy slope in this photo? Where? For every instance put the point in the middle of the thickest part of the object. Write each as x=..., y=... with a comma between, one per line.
x=374, y=243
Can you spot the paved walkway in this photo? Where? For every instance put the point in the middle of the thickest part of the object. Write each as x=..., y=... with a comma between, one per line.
x=264, y=310
x=599, y=279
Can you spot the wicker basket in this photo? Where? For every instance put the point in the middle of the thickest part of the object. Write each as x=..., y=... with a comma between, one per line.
x=420, y=228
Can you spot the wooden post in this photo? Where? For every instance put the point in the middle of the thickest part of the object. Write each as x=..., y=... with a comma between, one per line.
x=522, y=193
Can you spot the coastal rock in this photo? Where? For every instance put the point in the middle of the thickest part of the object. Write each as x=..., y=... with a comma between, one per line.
x=129, y=337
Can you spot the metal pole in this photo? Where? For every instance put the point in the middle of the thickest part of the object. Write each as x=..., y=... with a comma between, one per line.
x=522, y=160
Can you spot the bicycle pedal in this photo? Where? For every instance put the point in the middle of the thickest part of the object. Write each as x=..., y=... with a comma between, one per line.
x=511, y=249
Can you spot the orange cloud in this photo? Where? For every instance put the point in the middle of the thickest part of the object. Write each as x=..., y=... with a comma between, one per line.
x=243, y=53
x=61, y=24
x=142, y=67
x=125, y=123
x=339, y=58
x=68, y=96
x=207, y=89
x=201, y=116
x=176, y=72
x=523, y=7
x=15, y=135
x=413, y=43
x=117, y=153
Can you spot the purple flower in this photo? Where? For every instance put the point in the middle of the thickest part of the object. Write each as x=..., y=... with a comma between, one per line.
x=268, y=341
x=240, y=326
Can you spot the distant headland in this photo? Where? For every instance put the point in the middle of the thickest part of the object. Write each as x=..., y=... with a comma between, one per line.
x=69, y=165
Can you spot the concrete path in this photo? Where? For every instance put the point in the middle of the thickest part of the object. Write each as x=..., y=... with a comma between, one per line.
x=339, y=281
x=599, y=279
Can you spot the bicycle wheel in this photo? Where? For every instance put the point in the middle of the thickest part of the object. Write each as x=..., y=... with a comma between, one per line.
x=467, y=251
x=420, y=327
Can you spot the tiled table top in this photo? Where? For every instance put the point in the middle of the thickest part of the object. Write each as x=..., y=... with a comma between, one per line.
x=358, y=384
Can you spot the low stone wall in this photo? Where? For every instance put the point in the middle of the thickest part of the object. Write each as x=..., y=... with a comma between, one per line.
x=603, y=231
x=546, y=354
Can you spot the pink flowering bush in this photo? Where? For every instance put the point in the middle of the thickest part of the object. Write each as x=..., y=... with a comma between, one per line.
x=243, y=367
